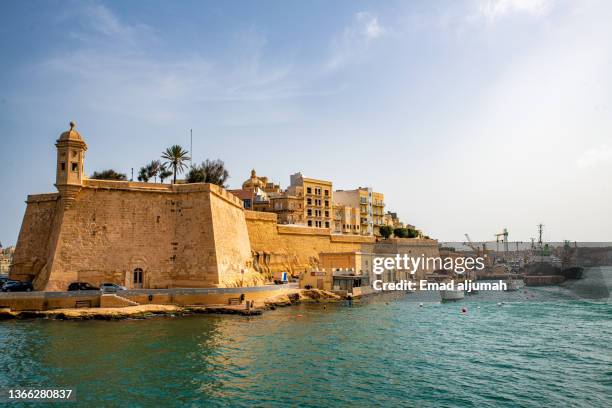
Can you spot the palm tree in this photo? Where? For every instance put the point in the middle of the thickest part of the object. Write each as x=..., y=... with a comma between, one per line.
x=176, y=157
x=154, y=168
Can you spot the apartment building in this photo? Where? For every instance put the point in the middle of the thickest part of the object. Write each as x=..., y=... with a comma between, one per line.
x=288, y=208
x=317, y=199
x=371, y=206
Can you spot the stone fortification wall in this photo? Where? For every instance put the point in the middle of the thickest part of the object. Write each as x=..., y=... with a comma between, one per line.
x=296, y=249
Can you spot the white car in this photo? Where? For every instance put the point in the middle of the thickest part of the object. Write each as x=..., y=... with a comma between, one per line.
x=111, y=287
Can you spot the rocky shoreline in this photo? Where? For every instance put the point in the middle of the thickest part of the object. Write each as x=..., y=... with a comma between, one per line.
x=153, y=310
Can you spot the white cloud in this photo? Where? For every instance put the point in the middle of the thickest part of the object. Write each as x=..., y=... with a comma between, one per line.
x=119, y=67
x=370, y=25
x=595, y=157
x=493, y=9
x=355, y=40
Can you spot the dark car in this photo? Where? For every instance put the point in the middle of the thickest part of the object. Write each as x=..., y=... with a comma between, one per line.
x=17, y=286
x=81, y=286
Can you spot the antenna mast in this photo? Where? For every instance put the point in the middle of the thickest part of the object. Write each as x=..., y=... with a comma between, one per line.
x=540, y=230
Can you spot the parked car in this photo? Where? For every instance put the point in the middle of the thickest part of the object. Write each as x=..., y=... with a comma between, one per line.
x=3, y=280
x=82, y=286
x=17, y=286
x=111, y=287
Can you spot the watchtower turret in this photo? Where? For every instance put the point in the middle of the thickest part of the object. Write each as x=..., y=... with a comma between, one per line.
x=70, y=164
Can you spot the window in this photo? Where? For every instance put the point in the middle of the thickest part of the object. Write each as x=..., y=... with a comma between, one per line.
x=247, y=203
x=308, y=190
x=327, y=213
x=63, y=166
x=74, y=166
x=309, y=223
x=309, y=211
x=308, y=201
x=326, y=224
x=327, y=192
x=327, y=203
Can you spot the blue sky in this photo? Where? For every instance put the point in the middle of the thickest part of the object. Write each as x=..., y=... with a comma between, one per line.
x=470, y=116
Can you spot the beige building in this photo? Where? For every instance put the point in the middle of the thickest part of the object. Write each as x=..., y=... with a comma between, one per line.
x=6, y=258
x=317, y=200
x=288, y=208
x=258, y=194
x=391, y=219
x=346, y=220
x=371, y=206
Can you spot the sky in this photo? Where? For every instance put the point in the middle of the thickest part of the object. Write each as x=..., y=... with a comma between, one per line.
x=470, y=116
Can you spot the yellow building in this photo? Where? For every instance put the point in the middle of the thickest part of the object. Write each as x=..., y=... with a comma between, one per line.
x=371, y=206
x=317, y=199
x=391, y=219
x=378, y=211
x=288, y=208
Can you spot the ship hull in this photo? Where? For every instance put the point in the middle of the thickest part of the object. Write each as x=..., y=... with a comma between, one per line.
x=451, y=295
x=544, y=269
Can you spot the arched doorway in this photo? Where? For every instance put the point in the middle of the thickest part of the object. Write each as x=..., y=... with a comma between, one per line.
x=137, y=278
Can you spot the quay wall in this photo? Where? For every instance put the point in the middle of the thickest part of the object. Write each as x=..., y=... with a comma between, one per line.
x=18, y=301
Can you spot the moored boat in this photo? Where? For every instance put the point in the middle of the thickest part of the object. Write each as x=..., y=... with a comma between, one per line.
x=451, y=295
x=513, y=285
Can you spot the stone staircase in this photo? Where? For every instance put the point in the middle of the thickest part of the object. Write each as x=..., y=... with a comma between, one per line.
x=113, y=300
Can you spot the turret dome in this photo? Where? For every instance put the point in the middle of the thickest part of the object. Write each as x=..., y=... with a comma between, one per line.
x=71, y=134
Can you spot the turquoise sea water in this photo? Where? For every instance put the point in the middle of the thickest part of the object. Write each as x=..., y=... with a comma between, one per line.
x=541, y=348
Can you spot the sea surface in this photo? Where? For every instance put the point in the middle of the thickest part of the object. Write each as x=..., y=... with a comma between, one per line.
x=541, y=347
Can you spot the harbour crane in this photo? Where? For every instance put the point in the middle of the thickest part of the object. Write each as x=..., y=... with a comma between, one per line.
x=503, y=239
x=476, y=248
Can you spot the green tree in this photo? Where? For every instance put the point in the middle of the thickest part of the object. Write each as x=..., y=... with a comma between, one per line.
x=164, y=173
x=109, y=174
x=176, y=157
x=153, y=169
x=411, y=233
x=386, y=231
x=143, y=174
x=210, y=171
x=399, y=232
